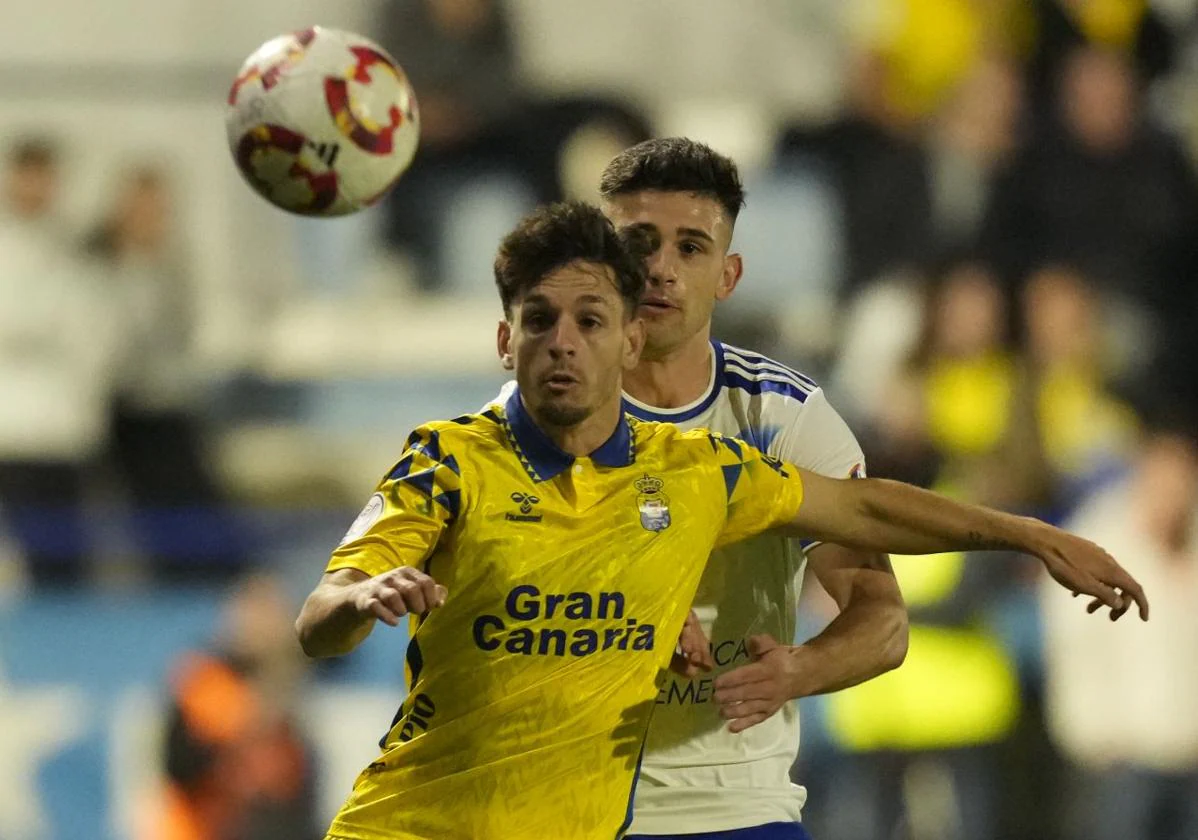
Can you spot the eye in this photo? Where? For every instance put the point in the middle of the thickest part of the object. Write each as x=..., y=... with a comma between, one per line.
x=538, y=321
x=690, y=248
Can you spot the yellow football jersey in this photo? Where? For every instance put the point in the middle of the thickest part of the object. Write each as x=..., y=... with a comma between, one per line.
x=569, y=580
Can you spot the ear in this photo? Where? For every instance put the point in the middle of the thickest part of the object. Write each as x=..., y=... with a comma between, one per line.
x=733, y=267
x=634, y=342
x=503, y=342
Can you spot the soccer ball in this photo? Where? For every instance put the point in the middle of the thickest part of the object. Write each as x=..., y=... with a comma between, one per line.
x=322, y=122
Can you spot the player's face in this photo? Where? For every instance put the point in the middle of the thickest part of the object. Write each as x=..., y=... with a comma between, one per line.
x=570, y=339
x=689, y=265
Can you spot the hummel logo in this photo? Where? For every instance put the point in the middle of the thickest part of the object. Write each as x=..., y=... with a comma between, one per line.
x=525, y=501
x=327, y=152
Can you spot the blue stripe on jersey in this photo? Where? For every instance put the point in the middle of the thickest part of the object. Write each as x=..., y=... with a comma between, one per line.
x=451, y=500
x=766, y=372
x=759, y=386
x=731, y=476
x=631, y=794
x=643, y=413
x=766, y=376
x=425, y=481
x=756, y=361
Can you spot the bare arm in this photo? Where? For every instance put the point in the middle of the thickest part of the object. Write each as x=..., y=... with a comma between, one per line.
x=880, y=515
x=867, y=638
x=342, y=609
x=869, y=635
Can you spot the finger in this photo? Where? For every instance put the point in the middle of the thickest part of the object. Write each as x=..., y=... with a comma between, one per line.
x=745, y=674
x=741, y=724
x=1131, y=589
x=380, y=611
x=402, y=597
x=428, y=592
x=1094, y=606
x=748, y=708
x=761, y=690
x=412, y=593
x=1092, y=586
x=761, y=644
x=441, y=594
x=682, y=666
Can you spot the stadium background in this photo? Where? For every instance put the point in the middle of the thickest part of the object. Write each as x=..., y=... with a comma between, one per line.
x=972, y=220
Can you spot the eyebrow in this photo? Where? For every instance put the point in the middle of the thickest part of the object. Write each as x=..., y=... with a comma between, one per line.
x=696, y=233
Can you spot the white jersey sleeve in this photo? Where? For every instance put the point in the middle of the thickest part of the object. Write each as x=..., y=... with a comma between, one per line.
x=502, y=397
x=819, y=440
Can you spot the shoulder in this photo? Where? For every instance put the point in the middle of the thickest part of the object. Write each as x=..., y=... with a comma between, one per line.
x=464, y=439
x=755, y=375
x=685, y=448
x=670, y=443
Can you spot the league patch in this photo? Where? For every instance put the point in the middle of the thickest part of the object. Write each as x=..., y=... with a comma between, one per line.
x=366, y=519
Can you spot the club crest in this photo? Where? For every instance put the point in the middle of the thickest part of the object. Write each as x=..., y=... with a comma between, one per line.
x=652, y=503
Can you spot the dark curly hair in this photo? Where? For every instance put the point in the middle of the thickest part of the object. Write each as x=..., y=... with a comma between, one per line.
x=559, y=234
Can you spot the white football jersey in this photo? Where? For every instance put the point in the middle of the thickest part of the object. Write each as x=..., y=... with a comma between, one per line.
x=695, y=775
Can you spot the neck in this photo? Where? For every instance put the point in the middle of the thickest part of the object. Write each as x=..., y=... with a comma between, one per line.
x=676, y=378
x=582, y=438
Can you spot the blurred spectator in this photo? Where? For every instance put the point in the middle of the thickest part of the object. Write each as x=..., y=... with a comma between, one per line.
x=1106, y=192
x=237, y=765
x=973, y=392
x=478, y=119
x=157, y=433
x=1131, y=27
x=1086, y=432
x=1122, y=698
x=972, y=136
x=55, y=337
x=881, y=174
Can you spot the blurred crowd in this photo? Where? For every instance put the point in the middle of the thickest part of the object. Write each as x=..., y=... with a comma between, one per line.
x=985, y=246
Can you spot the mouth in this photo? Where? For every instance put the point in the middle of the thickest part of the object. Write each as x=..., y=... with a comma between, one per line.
x=657, y=304
x=560, y=381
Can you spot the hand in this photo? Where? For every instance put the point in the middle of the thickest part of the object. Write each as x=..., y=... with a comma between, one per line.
x=394, y=594
x=1083, y=568
x=752, y=693
x=694, y=649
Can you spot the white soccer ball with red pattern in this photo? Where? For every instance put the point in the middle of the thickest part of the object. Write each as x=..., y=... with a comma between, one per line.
x=322, y=122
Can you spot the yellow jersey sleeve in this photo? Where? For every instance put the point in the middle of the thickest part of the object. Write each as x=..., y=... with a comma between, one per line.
x=762, y=492
x=410, y=512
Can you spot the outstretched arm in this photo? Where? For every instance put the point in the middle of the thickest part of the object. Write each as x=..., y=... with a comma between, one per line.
x=889, y=516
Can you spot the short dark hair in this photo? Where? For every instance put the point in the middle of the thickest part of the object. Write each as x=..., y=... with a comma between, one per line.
x=675, y=164
x=33, y=152
x=556, y=235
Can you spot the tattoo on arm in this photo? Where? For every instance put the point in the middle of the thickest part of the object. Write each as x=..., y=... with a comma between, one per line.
x=977, y=541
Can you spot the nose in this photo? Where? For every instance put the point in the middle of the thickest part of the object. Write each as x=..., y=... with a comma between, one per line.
x=661, y=267
x=563, y=341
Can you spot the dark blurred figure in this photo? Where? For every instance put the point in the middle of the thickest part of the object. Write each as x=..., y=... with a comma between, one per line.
x=55, y=337
x=237, y=765
x=881, y=173
x=1107, y=192
x=1122, y=698
x=157, y=445
x=1132, y=27
x=477, y=117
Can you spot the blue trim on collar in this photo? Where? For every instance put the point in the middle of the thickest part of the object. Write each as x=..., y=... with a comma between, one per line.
x=542, y=458
x=674, y=416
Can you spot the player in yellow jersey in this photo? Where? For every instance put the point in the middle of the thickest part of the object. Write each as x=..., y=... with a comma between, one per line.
x=550, y=548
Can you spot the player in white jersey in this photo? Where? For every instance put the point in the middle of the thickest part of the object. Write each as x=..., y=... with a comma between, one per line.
x=721, y=745
x=710, y=768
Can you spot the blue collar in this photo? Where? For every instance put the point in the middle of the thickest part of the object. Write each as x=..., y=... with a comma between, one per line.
x=541, y=456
